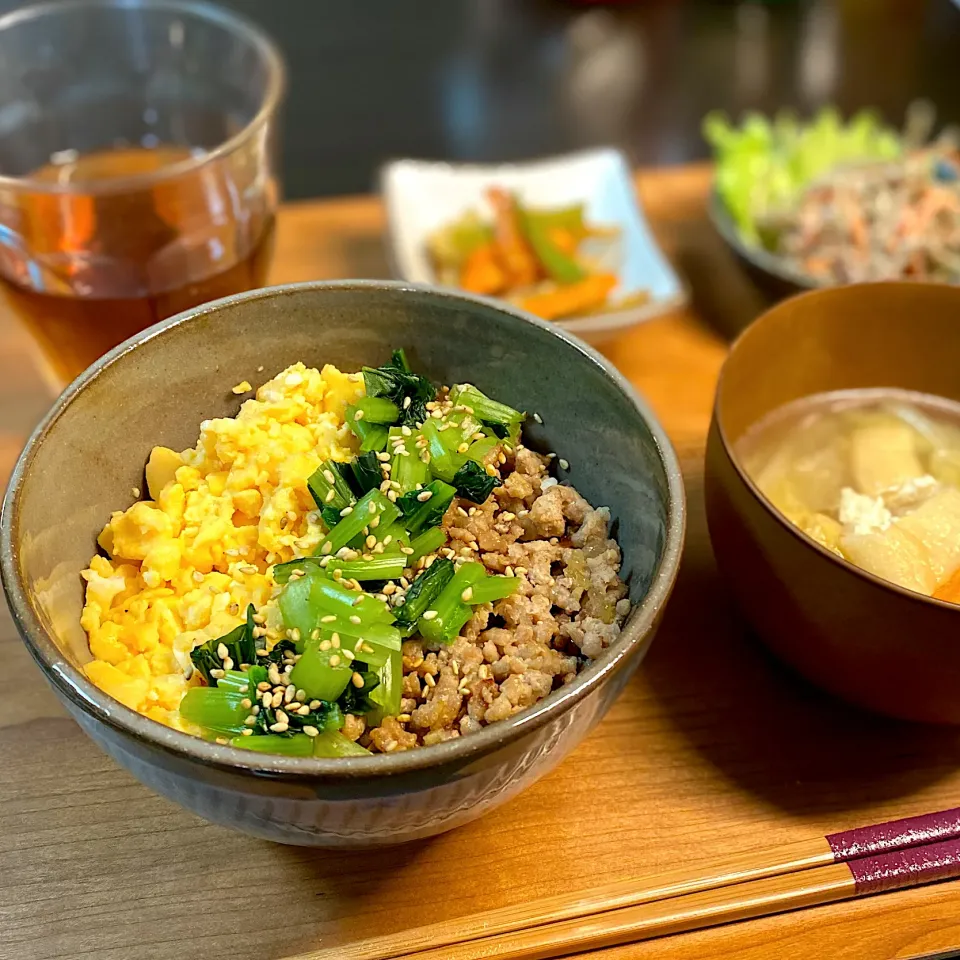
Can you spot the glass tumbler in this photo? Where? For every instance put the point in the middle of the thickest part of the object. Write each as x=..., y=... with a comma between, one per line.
x=138, y=143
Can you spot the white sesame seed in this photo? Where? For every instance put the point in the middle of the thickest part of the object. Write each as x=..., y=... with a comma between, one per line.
x=358, y=415
x=429, y=614
x=346, y=511
x=222, y=651
x=371, y=507
x=335, y=660
x=330, y=495
x=310, y=731
x=355, y=619
x=326, y=548
x=467, y=594
x=289, y=693
x=425, y=496
x=136, y=493
x=249, y=721
x=383, y=456
x=564, y=464
x=279, y=727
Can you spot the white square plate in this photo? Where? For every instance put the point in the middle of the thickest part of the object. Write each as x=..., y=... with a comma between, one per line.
x=421, y=196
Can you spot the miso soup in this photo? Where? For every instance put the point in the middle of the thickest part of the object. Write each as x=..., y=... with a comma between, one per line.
x=872, y=475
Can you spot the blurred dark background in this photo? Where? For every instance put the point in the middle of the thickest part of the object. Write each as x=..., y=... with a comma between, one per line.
x=506, y=79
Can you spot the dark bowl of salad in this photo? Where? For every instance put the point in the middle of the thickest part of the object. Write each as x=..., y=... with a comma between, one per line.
x=828, y=202
x=344, y=564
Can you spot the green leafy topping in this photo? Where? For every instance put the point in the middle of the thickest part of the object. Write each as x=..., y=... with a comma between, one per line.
x=474, y=483
x=397, y=382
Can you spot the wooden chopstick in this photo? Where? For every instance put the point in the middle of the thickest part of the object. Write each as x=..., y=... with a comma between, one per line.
x=828, y=884
x=675, y=882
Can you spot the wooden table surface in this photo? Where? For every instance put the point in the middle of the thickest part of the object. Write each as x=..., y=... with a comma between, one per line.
x=713, y=748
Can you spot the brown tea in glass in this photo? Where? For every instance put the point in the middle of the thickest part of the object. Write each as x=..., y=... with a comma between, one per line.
x=138, y=171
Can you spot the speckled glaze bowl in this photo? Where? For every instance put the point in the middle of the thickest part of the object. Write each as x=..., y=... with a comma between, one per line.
x=868, y=641
x=87, y=454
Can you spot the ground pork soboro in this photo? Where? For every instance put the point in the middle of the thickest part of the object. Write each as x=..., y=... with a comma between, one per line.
x=567, y=609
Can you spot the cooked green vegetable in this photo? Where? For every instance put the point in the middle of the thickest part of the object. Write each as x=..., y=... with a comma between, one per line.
x=397, y=382
x=376, y=410
x=419, y=513
x=424, y=590
x=282, y=571
x=381, y=567
x=479, y=450
x=485, y=409
x=337, y=745
x=372, y=436
x=559, y=265
x=299, y=745
x=356, y=699
x=221, y=711
x=331, y=597
x=298, y=607
x=388, y=694
x=366, y=473
x=407, y=468
x=240, y=648
x=444, y=461
x=369, y=506
x=322, y=673
x=474, y=483
x=562, y=218
x=236, y=681
x=428, y=542
x=448, y=613
x=329, y=486
x=492, y=588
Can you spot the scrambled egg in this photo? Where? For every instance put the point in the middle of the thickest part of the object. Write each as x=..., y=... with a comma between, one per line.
x=183, y=566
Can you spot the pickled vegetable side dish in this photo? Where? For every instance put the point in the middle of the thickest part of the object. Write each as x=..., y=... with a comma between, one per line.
x=355, y=563
x=873, y=476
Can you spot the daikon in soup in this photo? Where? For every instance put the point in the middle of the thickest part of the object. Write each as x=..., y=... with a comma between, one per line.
x=872, y=475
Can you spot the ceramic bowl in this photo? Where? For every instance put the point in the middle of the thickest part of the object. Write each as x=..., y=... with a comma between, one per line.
x=87, y=454
x=875, y=644
x=770, y=274
x=421, y=196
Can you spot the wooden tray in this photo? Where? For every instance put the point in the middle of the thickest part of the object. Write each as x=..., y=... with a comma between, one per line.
x=713, y=748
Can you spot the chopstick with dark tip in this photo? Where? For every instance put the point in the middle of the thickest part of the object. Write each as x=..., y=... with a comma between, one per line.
x=753, y=879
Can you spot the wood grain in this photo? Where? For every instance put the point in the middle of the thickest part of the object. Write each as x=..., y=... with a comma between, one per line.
x=586, y=906
x=713, y=748
x=649, y=920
